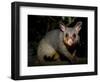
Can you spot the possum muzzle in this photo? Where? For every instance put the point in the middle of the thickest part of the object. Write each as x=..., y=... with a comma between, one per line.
x=68, y=41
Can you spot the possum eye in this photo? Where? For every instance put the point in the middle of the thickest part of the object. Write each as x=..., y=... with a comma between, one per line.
x=74, y=35
x=66, y=34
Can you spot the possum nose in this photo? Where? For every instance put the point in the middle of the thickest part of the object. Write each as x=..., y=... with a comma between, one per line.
x=70, y=42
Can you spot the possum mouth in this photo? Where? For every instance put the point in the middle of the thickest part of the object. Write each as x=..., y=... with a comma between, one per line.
x=70, y=46
x=69, y=42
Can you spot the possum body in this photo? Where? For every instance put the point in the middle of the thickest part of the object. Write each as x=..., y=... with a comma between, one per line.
x=48, y=47
x=57, y=41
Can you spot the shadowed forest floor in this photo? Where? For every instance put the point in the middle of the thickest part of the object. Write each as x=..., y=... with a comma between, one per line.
x=33, y=61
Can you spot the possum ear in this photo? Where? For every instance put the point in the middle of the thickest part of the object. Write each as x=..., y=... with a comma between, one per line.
x=78, y=26
x=62, y=27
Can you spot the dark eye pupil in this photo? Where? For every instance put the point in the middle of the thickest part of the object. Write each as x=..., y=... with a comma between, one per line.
x=66, y=35
x=74, y=35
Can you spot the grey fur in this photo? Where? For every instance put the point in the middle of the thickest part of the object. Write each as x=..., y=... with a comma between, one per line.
x=53, y=42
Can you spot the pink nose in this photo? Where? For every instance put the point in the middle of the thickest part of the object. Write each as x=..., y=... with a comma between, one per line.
x=70, y=42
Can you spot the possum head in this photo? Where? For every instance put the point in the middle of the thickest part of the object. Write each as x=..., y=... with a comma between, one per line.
x=71, y=36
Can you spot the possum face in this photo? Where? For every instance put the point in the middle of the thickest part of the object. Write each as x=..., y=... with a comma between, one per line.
x=71, y=36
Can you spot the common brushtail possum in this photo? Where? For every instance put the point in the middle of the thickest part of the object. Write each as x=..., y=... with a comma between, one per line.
x=59, y=41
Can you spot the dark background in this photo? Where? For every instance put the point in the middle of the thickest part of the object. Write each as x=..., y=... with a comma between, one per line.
x=38, y=26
